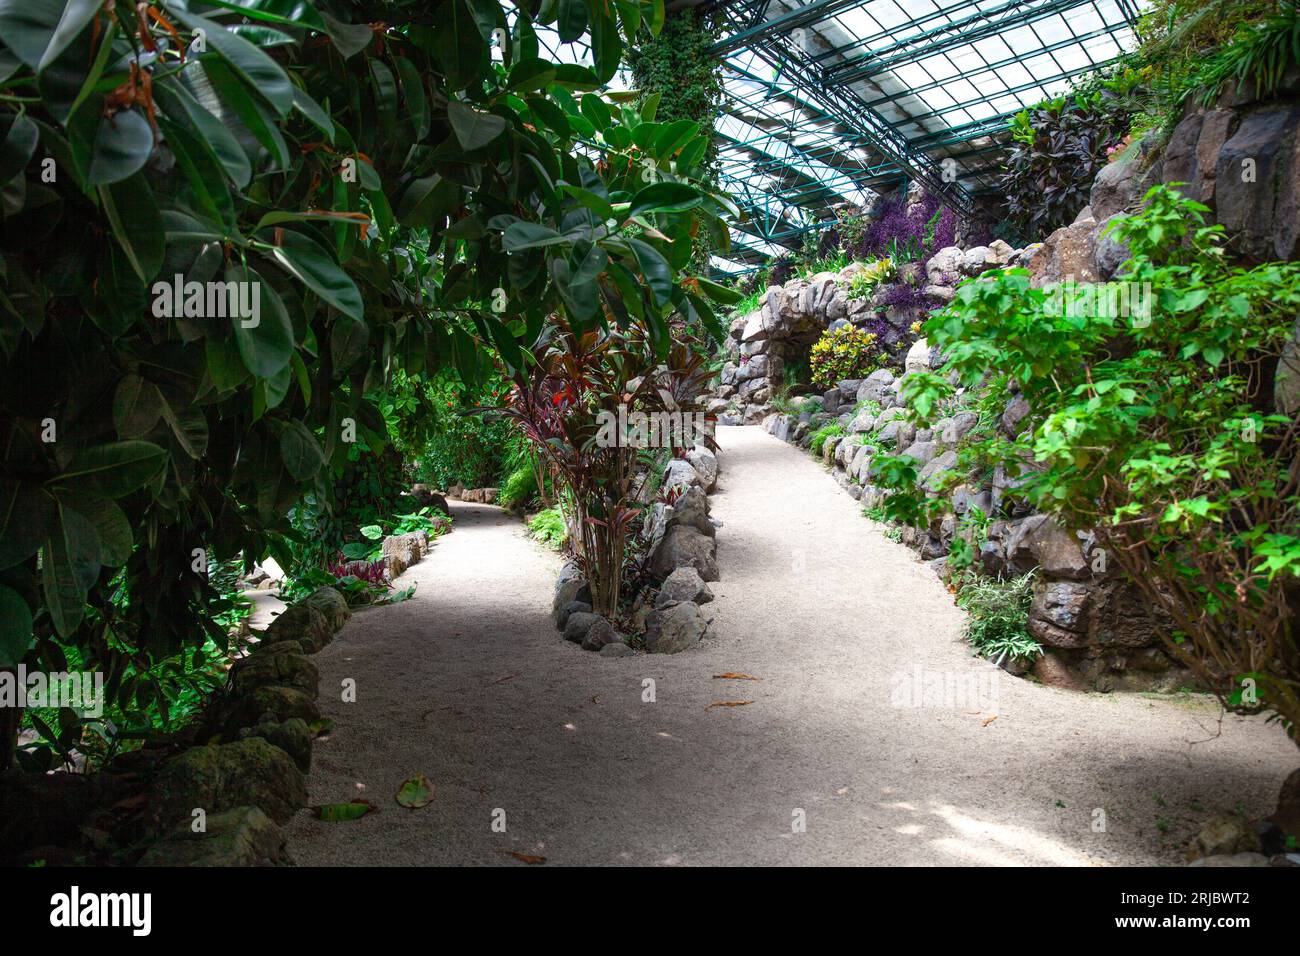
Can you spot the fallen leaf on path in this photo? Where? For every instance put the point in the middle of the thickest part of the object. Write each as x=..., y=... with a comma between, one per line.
x=525, y=857
x=728, y=703
x=502, y=680
x=416, y=792
x=985, y=723
x=342, y=812
x=730, y=676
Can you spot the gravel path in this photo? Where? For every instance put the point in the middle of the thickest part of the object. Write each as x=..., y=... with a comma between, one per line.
x=469, y=684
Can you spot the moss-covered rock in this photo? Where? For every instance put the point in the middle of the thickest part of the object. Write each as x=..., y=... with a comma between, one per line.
x=244, y=836
x=221, y=777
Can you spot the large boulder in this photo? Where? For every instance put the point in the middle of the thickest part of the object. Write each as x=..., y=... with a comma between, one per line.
x=873, y=387
x=268, y=702
x=272, y=669
x=302, y=623
x=1192, y=154
x=1058, y=615
x=1257, y=184
x=705, y=463
x=575, y=627
x=570, y=586
x=242, y=836
x=680, y=473
x=674, y=628
x=400, y=551
x=1055, y=550
x=221, y=777
x=682, y=547
x=293, y=736
x=600, y=634
x=684, y=584
x=690, y=510
x=331, y=604
x=1121, y=184
x=1067, y=255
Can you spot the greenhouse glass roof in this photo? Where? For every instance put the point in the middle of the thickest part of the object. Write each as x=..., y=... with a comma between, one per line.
x=832, y=102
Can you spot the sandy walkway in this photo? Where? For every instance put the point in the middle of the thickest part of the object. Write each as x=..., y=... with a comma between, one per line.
x=470, y=684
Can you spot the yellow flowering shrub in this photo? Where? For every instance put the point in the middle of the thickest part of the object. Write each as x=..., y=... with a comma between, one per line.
x=846, y=352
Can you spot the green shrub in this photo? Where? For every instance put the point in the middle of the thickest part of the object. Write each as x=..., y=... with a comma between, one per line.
x=1153, y=427
x=829, y=430
x=846, y=352
x=862, y=284
x=997, y=627
x=548, y=527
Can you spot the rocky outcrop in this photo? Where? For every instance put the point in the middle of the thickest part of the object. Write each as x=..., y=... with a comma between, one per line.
x=243, y=836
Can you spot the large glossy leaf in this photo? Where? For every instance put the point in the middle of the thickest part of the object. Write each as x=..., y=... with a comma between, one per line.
x=266, y=347
x=70, y=565
x=664, y=197
x=17, y=147
x=27, y=27
x=15, y=627
x=349, y=38
x=530, y=235
x=111, y=525
x=108, y=149
x=115, y=469
x=22, y=520
x=137, y=406
x=137, y=223
x=474, y=128
x=300, y=452
x=349, y=339
x=572, y=22
x=76, y=15
x=257, y=69
x=306, y=261
x=658, y=274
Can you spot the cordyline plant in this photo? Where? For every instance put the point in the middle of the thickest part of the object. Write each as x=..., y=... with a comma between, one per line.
x=1160, y=431
x=382, y=172
x=581, y=389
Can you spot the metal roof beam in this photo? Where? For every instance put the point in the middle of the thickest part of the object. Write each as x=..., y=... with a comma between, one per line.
x=993, y=67
x=949, y=36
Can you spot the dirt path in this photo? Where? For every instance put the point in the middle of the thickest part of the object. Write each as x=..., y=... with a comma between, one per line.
x=470, y=684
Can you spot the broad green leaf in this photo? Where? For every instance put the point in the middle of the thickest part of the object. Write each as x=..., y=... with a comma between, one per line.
x=530, y=235
x=300, y=451
x=664, y=197
x=115, y=469
x=137, y=223
x=111, y=525
x=17, y=148
x=349, y=38
x=258, y=70
x=137, y=405
x=76, y=15
x=658, y=274
x=23, y=515
x=70, y=566
x=349, y=340
x=15, y=627
x=317, y=116
x=572, y=21
x=108, y=149
x=343, y=812
x=267, y=346
x=310, y=264
x=474, y=128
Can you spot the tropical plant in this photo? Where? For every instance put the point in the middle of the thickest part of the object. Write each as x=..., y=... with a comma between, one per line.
x=817, y=443
x=365, y=188
x=549, y=527
x=998, y=617
x=844, y=352
x=572, y=404
x=1154, y=424
x=1060, y=146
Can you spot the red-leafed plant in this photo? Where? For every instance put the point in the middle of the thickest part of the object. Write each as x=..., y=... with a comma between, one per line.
x=565, y=401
